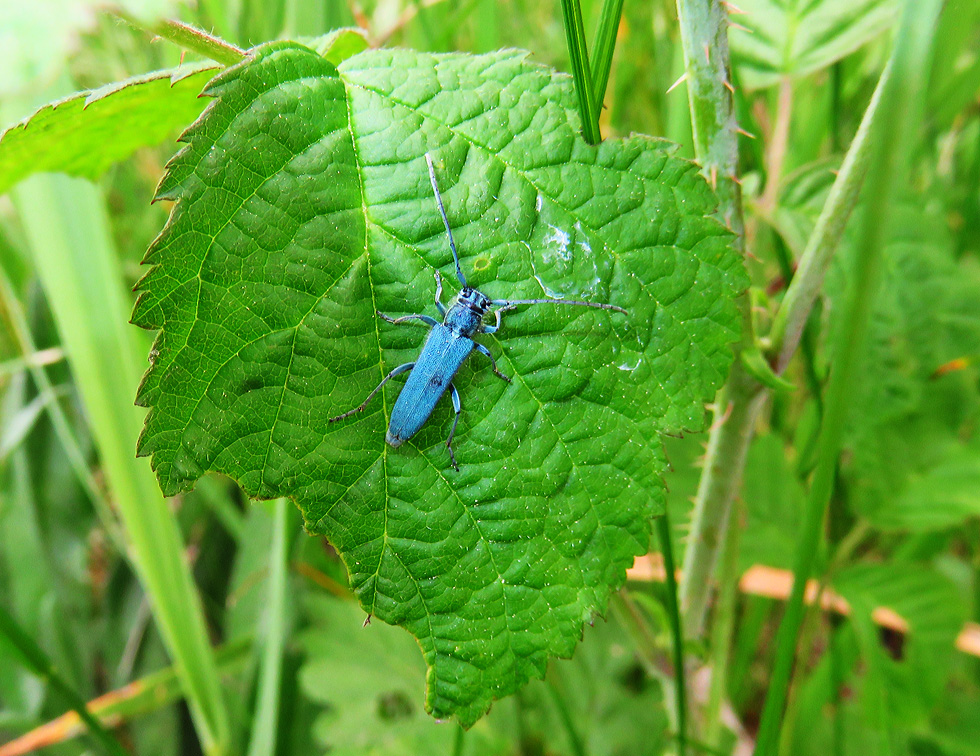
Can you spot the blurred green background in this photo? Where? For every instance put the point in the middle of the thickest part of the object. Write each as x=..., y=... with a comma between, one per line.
x=295, y=673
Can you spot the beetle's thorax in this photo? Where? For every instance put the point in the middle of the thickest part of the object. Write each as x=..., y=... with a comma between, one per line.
x=466, y=311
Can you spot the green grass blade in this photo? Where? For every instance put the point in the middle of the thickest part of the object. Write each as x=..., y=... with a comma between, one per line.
x=147, y=694
x=676, y=632
x=604, y=47
x=791, y=318
x=579, y=57
x=568, y=722
x=891, y=145
x=68, y=234
x=263, y=742
x=22, y=335
x=38, y=662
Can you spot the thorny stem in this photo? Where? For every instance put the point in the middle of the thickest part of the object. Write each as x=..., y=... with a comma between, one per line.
x=193, y=39
x=704, y=35
x=722, y=630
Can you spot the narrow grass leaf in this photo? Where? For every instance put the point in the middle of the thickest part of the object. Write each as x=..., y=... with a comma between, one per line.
x=68, y=232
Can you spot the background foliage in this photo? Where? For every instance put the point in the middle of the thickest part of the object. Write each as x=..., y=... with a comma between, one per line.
x=295, y=672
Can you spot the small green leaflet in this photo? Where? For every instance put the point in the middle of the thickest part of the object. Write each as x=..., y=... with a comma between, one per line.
x=777, y=38
x=304, y=205
x=86, y=133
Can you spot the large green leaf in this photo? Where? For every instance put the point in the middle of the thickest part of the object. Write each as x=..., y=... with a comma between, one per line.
x=797, y=37
x=304, y=206
x=87, y=132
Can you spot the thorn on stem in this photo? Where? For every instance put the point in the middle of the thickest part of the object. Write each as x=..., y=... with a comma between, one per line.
x=707, y=53
x=728, y=86
x=734, y=9
x=745, y=133
x=724, y=418
x=677, y=83
x=733, y=25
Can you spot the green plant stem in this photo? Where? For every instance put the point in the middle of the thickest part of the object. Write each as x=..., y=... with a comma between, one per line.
x=676, y=631
x=890, y=148
x=704, y=37
x=808, y=338
x=603, y=48
x=67, y=230
x=38, y=662
x=579, y=58
x=266, y=720
x=722, y=630
x=193, y=39
x=558, y=698
x=459, y=742
x=737, y=408
x=199, y=41
x=790, y=320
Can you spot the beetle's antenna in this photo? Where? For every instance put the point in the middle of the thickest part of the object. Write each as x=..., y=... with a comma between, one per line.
x=442, y=210
x=510, y=303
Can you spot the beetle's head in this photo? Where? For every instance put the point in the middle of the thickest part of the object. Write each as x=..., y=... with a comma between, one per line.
x=474, y=300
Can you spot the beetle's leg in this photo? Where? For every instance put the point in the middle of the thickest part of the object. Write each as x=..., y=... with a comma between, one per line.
x=404, y=318
x=449, y=441
x=397, y=371
x=483, y=350
x=439, y=305
x=494, y=328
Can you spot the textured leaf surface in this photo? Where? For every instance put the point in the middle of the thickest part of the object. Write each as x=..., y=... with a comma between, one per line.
x=304, y=206
x=912, y=423
x=797, y=37
x=934, y=611
x=86, y=133
x=369, y=678
x=947, y=495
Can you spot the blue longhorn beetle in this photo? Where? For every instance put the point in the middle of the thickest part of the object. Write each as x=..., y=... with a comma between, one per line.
x=446, y=348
